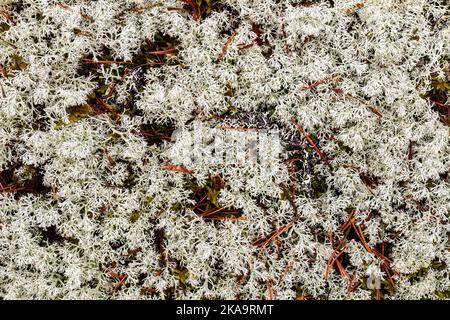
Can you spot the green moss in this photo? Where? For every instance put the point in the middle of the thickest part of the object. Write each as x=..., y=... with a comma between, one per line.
x=78, y=112
x=148, y=201
x=59, y=124
x=208, y=5
x=39, y=16
x=301, y=293
x=115, y=137
x=436, y=265
x=181, y=274
x=29, y=171
x=135, y=216
x=177, y=207
x=212, y=196
x=442, y=295
x=289, y=193
x=344, y=147
x=440, y=86
x=130, y=181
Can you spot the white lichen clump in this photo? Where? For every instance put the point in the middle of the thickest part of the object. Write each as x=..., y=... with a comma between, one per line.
x=93, y=207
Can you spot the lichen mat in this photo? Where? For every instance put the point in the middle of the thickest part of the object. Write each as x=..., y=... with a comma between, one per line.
x=231, y=149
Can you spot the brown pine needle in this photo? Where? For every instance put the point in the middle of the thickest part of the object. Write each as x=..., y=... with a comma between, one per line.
x=200, y=201
x=84, y=16
x=108, y=107
x=195, y=9
x=64, y=6
x=285, y=271
x=348, y=222
x=438, y=103
x=243, y=46
x=273, y=236
x=342, y=271
x=386, y=260
x=328, y=80
x=386, y=268
x=144, y=8
x=152, y=134
x=87, y=17
x=270, y=289
x=360, y=235
x=355, y=8
x=225, y=47
x=112, y=87
x=372, y=108
x=172, y=167
x=208, y=213
x=291, y=161
x=333, y=259
x=152, y=64
x=322, y=156
x=163, y=52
